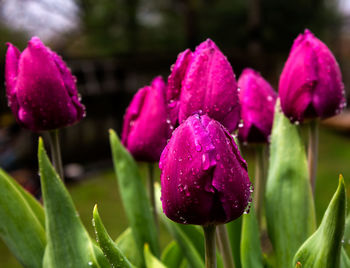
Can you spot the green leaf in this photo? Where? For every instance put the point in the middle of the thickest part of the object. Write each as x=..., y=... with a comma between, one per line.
x=68, y=243
x=323, y=248
x=172, y=256
x=115, y=257
x=151, y=261
x=344, y=259
x=134, y=197
x=188, y=248
x=251, y=253
x=21, y=222
x=127, y=245
x=234, y=229
x=290, y=212
x=347, y=233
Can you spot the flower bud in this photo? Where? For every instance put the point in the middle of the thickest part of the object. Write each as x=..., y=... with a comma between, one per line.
x=311, y=83
x=146, y=126
x=40, y=88
x=257, y=99
x=204, y=179
x=203, y=82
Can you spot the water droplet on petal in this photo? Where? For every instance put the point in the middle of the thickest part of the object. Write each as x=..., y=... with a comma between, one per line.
x=198, y=147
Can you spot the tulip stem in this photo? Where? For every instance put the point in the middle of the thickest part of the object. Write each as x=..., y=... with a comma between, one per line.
x=225, y=246
x=151, y=192
x=260, y=180
x=56, y=152
x=210, y=246
x=313, y=152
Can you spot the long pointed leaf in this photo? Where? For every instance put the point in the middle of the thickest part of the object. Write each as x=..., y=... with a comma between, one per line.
x=172, y=255
x=126, y=243
x=290, y=212
x=68, y=243
x=251, y=253
x=323, y=248
x=234, y=229
x=115, y=257
x=151, y=261
x=344, y=259
x=21, y=222
x=134, y=197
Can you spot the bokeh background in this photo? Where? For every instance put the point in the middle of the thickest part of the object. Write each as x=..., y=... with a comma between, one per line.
x=114, y=47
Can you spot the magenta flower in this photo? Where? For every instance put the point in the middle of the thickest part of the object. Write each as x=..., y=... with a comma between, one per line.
x=40, y=88
x=146, y=126
x=257, y=100
x=311, y=83
x=204, y=179
x=203, y=82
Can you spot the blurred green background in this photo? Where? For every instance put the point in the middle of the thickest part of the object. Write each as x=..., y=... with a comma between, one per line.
x=114, y=47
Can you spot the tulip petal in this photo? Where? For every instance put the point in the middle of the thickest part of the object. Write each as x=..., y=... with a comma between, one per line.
x=230, y=177
x=178, y=71
x=70, y=84
x=11, y=73
x=311, y=83
x=328, y=98
x=193, y=157
x=209, y=77
x=41, y=91
x=257, y=100
x=297, y=81
x=204, y=179
x=146, y=126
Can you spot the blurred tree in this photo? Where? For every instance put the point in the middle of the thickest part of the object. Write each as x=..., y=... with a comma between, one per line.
x=283, y=20
x=122, y=26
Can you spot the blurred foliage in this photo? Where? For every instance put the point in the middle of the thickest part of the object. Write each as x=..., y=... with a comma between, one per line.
x=122, y=26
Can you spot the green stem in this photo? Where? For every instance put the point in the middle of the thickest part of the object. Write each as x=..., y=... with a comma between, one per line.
x=151, y=192
x=210, y=246
x=225, y=246
x=56, y=152
x=313, y=152
x=260, y=180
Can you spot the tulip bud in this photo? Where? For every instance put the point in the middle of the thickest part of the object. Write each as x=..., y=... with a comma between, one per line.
x=40, y=88
x=146, y=126
x=257, y=99
x=203, y=82
x=311, y=83
x=204, y=179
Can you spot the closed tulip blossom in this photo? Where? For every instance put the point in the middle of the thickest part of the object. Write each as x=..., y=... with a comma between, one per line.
x=146, y=126
x=40, y=88
x=257, y=99
x=204, y=179
x=203, y=82
x=311, y=83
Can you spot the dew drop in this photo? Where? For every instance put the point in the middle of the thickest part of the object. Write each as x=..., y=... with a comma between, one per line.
x=205, y=162
x=198, y=147
x=171, y=103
